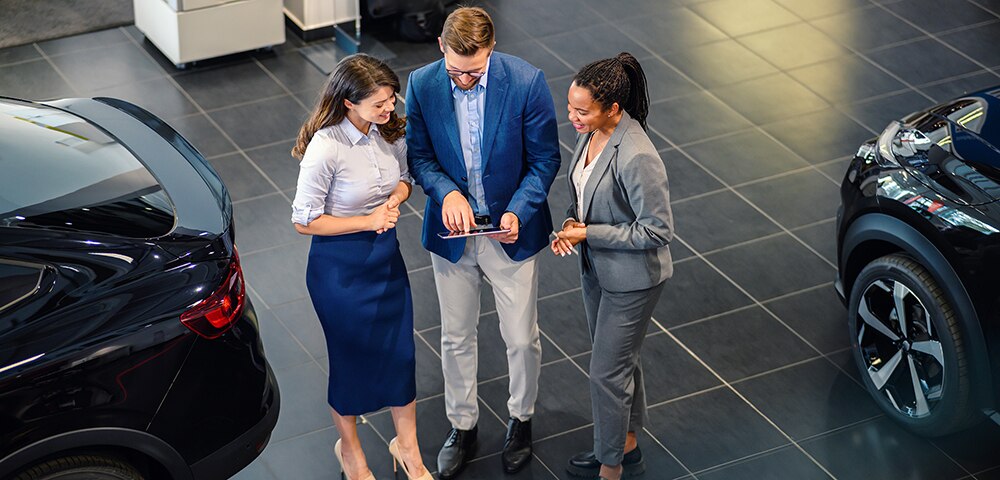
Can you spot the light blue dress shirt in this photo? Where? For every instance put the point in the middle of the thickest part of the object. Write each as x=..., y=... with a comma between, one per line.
x=470, y=108
x=346, y=173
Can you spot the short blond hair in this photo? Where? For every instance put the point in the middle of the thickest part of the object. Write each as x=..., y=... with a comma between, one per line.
x=467, y=30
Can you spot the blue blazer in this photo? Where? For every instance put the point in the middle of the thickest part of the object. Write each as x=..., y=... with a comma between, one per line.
x=520, y=151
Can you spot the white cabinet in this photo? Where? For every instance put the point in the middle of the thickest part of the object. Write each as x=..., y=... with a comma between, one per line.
x=310, y=15
x=190, y=30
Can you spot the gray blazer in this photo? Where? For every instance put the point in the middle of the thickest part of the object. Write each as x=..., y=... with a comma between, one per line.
x=626, y=206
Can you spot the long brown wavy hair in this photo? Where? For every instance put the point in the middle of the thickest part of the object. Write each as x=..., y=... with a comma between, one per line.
x=356, y=78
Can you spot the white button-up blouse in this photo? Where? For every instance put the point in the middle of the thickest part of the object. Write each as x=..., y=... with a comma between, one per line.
x=345, y=173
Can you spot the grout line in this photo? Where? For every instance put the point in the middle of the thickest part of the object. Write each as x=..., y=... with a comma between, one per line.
x=251, y=149
x=257, y=295
x=250, y=199
x=937, y=39
x=743, y=459
x=282, y=85
x=753, y=205
x=76, y=91
x=764, y=307
x=745, y=399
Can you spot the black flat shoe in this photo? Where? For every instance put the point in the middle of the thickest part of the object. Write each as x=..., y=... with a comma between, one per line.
x=458, y=449
x=585, y=464
x=516, y=446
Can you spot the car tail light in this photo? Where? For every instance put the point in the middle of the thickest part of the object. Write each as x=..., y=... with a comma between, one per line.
x=216, y=314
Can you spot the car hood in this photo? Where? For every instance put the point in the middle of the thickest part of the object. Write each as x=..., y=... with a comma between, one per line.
x=962, y=161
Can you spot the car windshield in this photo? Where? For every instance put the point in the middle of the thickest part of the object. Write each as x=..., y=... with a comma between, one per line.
x=61, y=172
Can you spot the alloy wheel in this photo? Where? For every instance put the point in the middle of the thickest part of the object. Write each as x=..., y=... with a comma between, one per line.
x=900, y=348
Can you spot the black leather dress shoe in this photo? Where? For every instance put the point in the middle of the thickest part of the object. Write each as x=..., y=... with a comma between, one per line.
x=585, y=464
x=457, y=450
x=517, y=446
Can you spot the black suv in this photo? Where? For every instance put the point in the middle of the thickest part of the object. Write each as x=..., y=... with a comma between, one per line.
x=128, y=346
x=918, y=237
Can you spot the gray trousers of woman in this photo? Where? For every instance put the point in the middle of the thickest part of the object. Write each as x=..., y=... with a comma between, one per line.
x=618, y=324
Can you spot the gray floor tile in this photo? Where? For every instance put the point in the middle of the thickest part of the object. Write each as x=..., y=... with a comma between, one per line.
x=771, y=98
x=809, y=399
x=846, y=79
x=720, y=220
x=793, y=46
x=108, y=66
x=227, y=85
x=261, y=123
x=277, y=163
x=743, y=343
x=817, y=315
x=880, y=28
x=21, y=53
x=44, y=84
x=744, y=156
x=879, y=446
x=796, y=199
x=242, y=180
x=580, y=47
x=695, y=117
x=740, y=18
x=766, y=273
x=694, y=292
x=711, y=428
x=787, y=462
x=720, y=63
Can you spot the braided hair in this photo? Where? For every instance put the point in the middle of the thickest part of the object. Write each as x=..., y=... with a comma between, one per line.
x=620, y=80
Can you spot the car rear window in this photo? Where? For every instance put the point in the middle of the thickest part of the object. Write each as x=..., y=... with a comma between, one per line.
x=61, y=172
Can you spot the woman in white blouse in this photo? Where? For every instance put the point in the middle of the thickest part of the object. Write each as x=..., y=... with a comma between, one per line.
x=352, y=180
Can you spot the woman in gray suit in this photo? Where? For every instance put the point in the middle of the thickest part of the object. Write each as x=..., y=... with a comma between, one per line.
x=620, y=224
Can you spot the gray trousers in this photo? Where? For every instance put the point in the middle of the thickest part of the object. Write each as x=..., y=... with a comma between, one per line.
x=618, y=324
x=515, y=288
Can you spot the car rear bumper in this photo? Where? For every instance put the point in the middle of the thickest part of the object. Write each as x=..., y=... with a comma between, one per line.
x=236, y=455
x=223, y=402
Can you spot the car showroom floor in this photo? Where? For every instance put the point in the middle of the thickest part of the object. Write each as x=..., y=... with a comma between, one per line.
x=757, y=107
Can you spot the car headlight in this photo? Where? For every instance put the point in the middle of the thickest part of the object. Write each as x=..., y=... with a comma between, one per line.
x=884, y=144
x=897, y=144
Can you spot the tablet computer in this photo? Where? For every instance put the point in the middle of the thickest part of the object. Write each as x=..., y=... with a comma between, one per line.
x=489, y=230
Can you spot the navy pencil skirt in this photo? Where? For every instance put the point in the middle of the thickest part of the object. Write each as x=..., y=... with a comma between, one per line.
x=361, y=293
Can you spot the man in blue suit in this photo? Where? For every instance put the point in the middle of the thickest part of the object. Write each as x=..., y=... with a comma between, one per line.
x=483, y=144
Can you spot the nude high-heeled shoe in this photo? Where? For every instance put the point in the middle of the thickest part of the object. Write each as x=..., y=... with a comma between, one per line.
x=340, y=459
x=397, y=459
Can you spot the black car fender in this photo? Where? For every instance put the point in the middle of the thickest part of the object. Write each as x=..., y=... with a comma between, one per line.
x=114, y=437
x=886, y=229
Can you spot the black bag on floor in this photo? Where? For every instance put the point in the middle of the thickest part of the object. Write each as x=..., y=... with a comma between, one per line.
x=421, y=20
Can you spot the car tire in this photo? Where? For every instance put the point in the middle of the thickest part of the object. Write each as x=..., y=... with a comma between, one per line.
x=915, y=368
x=90, y=467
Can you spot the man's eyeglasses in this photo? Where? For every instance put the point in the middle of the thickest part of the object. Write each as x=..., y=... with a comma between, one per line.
x=458, y=73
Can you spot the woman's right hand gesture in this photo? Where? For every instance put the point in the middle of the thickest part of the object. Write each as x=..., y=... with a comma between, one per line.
x=562, y=246
x=385, y=216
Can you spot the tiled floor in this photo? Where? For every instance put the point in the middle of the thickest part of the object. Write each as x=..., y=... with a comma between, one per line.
x=757, y=104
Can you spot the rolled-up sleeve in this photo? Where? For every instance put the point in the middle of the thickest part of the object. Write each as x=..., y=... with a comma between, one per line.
x=399, y=150
x=315, y=178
